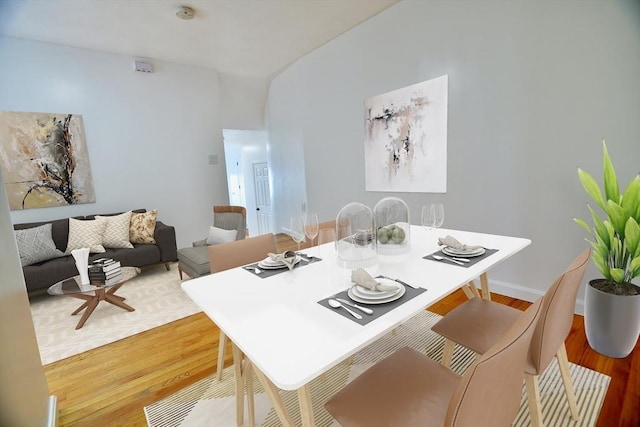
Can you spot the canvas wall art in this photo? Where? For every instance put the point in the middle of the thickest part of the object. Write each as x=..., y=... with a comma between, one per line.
x=406, y=139
x=44, y=160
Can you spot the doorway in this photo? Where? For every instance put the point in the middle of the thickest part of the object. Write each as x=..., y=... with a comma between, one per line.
x=243, y=150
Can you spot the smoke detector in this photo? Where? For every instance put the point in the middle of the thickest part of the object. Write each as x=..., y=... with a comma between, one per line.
x=185, y=12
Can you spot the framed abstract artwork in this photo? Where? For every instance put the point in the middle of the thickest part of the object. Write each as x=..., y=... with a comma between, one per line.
x=44, y=160
x=406, y=139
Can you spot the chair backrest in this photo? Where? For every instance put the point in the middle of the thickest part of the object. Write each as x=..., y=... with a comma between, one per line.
x=557, y=315
x=234, y=254
x=231, y=218
x=490, y=391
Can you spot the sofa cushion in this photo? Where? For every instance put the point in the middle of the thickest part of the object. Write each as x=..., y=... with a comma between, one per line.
x=36, y=245
x=143, y=227
x=116, y=234
x=220, y=235
x=86, y=234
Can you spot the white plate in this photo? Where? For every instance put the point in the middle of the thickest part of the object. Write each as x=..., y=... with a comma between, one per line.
x=369, y=294
x=275, y=265
x=375, y=301
x=464, y=254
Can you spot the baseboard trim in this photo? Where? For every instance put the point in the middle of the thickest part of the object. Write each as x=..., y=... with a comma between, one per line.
x=52, y=411
x=526, y=294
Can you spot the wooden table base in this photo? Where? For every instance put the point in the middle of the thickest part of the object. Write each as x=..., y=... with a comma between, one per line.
x=92, y=301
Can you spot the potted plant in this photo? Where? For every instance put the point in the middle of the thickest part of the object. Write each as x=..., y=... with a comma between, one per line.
x=612, y=303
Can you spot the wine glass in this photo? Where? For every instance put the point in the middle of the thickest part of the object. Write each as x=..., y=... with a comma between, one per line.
x=297, y=229
x=438, y=218
x=428, y=217
x=311, y=226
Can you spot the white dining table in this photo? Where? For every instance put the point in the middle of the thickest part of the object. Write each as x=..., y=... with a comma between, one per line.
x=290, y=339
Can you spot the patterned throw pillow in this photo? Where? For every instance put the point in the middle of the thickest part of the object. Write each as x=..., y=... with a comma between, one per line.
x=36, y=245
x=143, y=227
x=116, y=235
x=86, y=234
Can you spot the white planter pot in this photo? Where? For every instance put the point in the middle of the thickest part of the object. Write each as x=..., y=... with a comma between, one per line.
x=612, y=322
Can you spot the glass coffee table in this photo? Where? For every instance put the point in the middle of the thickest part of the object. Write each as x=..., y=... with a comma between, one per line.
x=92, y=295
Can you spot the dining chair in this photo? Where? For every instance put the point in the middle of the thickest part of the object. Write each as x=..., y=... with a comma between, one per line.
x=478, y=324
x=410, y=389
x=224, y=257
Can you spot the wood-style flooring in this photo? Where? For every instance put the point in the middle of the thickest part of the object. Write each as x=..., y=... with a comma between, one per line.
x=110, y=385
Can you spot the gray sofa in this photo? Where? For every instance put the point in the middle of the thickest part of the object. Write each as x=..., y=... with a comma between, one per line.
x=38, y=277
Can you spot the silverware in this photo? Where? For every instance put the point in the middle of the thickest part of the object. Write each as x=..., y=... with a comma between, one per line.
x=349, y=303
x=440, y=258
x=304, y=258
x=335, y=304
x=254, y=269
x=380, y=276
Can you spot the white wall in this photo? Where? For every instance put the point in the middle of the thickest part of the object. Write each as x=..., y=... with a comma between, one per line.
x=533, y=87
x=242, y=101
x=148, y=135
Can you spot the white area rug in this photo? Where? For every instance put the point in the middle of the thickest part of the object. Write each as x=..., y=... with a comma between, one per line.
x=212, y=403
x=155, y=294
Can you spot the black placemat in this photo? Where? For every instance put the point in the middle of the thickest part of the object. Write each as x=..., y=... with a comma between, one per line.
x=378, y=309
x=272, y=272
x=472, y=260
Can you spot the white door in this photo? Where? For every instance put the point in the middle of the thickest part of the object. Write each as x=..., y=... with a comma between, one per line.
x=263, y=196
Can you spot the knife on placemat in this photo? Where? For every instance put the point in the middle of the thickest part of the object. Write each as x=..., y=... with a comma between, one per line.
x=380, y=276
x=349, y=303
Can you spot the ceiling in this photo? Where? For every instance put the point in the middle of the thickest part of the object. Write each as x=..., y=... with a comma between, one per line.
x=243, y=37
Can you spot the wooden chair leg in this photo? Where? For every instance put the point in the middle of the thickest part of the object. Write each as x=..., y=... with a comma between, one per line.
x=447, y=353
x=563, y=363
x=180, y=271
x=533, y=397
x=239, y=384
x=222, y=344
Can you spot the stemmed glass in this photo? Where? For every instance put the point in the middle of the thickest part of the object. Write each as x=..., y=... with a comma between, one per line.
x=432, y=216
x=311, y=226
x=297, y=229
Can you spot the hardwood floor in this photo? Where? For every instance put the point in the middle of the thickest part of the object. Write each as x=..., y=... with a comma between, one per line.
x=110, y=385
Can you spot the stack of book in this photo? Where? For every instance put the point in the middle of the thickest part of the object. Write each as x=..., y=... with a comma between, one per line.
x=104, y=272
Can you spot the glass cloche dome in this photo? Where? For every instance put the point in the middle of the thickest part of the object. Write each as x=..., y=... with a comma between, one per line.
x=392, y=225
x=355, y=239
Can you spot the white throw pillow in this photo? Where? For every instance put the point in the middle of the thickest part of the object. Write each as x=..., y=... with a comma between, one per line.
x=220, y=235
x=116, y=235
x=86, y=234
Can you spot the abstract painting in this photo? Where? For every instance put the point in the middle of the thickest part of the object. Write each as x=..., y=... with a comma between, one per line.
x=44, y=160
x=406, y=139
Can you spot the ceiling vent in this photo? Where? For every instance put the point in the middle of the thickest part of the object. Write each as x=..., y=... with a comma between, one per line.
x=185, y=12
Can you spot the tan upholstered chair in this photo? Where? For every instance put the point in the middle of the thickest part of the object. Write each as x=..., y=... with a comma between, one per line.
x=234, y=254
x=195, y=260
x=224, y=257
x=409, y=389
x=478, y=324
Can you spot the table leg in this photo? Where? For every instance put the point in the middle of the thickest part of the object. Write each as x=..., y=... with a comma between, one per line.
x=115, y=300
x=275, y=398
x=306, y=407
x=239, y=380
x=91, y=305
x=484, y=285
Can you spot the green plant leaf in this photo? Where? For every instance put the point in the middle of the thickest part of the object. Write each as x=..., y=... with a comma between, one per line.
x=611, y=189
x=617, y=216
x=599, y=227
x=600, y=263
x=631, y=235
x=617, y=275
x=591, y=187
x=634, y=267
x=631, y=198
x=582, y=224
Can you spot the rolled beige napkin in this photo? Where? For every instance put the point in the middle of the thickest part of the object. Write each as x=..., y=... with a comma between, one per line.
x=452, y=242
x=288, y=258
x=364, y=279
